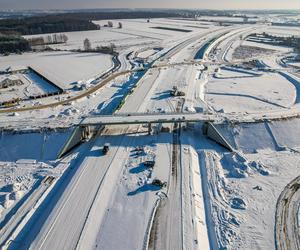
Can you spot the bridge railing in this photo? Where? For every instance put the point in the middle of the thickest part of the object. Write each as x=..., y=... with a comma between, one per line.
x=145, y=114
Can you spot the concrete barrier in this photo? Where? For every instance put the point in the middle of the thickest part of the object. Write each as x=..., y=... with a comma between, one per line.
x=74, y=140
x=79, y=135
x=212, y=133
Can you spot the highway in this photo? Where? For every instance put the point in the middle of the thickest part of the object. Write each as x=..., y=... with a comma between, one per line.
x=114, y=73
x=103, y=80
x=63, y=225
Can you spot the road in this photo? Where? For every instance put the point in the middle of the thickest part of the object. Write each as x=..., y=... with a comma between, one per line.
x=65, y=221
x=145, y=118
x=107, y=78
x=118, y=64
x=62, y=226
x=287, y=225
x=148, y=118
x=167, y=230
x=22, y=213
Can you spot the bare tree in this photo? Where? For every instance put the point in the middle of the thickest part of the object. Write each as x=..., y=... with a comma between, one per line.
x=54, y=38
x=87, y=45
x=49, y=39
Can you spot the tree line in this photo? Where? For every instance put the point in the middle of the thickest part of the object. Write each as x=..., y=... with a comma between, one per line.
x=87, y=47
x=287, y=41
x=58, y=23
x=13, y=44
x=47, y=40
x=43, y=25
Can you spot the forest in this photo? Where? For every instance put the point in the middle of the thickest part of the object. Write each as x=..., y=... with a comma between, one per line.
x=55, y=23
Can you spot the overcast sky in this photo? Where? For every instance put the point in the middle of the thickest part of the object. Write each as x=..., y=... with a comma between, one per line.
x=187, y=4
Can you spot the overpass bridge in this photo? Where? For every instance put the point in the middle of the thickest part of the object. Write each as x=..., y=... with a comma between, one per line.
x=92, y=125
x=34, y=123
x=147, y=118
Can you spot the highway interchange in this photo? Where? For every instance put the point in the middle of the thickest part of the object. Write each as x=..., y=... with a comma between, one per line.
x=84, y=197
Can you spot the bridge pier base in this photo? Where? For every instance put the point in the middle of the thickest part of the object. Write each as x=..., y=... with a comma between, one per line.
x=85, y=132
x=149, y=128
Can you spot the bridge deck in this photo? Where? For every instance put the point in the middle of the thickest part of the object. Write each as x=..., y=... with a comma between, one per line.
x=147, y=118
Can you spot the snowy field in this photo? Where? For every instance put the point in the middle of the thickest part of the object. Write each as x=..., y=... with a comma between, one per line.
x=272, y=136
x=61, y=67
x=134, y=33
x=25, y=160
x=32, y=85
x=234, y=92
x=244, y=206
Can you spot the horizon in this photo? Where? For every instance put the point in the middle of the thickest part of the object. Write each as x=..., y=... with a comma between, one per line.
x=153, y=8
x=217, y=5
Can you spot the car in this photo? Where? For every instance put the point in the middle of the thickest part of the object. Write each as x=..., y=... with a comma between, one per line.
x=105, y=149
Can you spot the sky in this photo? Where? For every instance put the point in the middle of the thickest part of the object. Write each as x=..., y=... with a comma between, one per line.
x=186, y=4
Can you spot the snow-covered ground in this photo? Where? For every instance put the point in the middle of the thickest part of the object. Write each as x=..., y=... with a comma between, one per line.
x=25, y=160
x=232, y=91
x=61, y=67
x=244, y=207
x=31, y=85
x=134, y=33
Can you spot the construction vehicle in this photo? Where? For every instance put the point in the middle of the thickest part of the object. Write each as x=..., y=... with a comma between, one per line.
x=176, y=92
x=149, y=164
x=105, y=149
x=159, y=183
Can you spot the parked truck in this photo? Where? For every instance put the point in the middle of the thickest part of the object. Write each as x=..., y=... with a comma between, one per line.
x=176, y=92
x=159, y=183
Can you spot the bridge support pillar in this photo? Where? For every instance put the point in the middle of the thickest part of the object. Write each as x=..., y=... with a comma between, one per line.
x=86, y=131
x=149, y=128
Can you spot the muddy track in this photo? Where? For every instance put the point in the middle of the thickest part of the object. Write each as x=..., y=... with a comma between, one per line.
x=166, y=231
x=154, y=230
x=286, y=231
x=175, y=147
